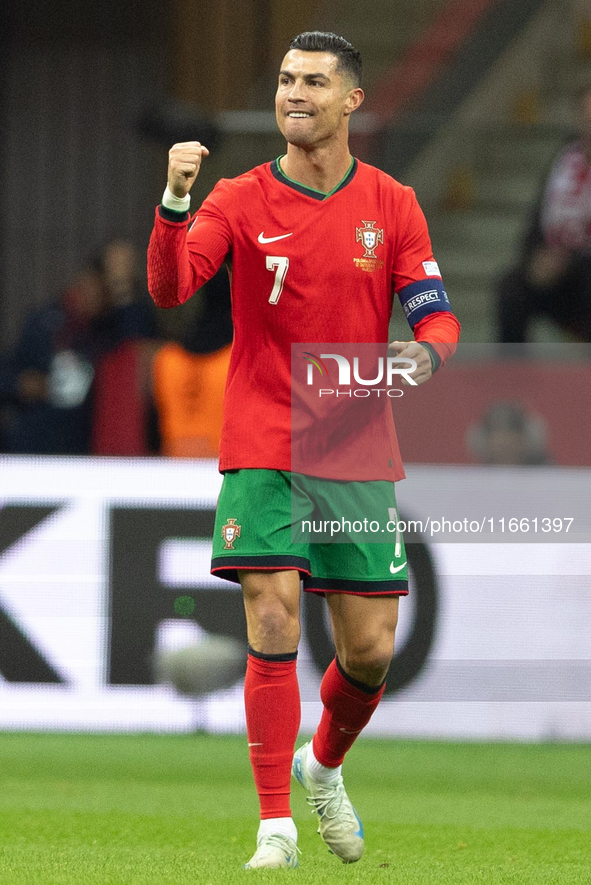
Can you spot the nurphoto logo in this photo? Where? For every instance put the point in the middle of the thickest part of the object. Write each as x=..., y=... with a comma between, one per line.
x=387, y=369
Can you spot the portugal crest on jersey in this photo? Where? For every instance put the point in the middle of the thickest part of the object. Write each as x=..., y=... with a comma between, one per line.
x=370, y=236
x=230, y=531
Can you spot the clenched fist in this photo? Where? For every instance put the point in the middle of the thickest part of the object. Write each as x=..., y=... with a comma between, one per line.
x=415, y=351
x=184, y=160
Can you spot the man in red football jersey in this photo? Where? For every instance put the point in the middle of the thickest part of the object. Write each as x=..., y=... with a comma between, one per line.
x=302, y=272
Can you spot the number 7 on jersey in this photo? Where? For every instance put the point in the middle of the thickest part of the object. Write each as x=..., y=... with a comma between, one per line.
x=279, y=265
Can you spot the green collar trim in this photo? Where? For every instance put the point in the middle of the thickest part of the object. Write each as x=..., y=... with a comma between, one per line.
x=311, y=191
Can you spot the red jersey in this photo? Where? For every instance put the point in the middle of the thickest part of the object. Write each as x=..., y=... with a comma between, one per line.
x=304, y=267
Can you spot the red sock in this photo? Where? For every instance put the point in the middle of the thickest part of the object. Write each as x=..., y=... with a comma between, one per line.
x=347, y=710
x=272, y=702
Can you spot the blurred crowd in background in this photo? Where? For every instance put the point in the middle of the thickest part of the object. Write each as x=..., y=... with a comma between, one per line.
x=93, y=371
x=552, y=277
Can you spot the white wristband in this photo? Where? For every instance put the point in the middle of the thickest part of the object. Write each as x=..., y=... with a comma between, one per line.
x=177, y=204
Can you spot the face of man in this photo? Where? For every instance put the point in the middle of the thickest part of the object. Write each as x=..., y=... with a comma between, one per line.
x=313, y=100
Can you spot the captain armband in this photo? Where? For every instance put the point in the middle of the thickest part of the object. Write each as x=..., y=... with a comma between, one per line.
x=423, y=298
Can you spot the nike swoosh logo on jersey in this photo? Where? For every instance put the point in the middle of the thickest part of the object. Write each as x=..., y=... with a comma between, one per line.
x=398, y=567
x=263, y=239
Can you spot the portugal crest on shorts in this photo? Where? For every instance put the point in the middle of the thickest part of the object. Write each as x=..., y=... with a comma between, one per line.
x=230, y=531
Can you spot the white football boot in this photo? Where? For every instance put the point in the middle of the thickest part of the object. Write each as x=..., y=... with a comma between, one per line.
x=339, y=823
x=274, y=852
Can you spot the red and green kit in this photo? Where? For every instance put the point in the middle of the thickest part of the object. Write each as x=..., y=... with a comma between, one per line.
x=304, y=267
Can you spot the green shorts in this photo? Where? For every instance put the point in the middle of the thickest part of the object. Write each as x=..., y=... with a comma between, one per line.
x=269, y=520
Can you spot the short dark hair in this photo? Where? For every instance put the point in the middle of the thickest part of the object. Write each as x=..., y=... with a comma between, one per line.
x=348, y=58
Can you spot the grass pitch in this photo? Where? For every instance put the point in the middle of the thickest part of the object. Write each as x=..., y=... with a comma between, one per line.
x=179, y=810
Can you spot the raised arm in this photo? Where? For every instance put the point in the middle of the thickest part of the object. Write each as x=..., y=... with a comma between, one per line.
x=177, y=268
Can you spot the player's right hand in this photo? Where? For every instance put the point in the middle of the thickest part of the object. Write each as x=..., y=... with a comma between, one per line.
x=184, y=160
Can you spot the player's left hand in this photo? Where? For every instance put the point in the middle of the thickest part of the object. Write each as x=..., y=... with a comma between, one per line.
x=415, y=351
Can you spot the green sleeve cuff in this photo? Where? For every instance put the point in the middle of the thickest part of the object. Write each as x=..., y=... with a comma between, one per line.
x=435, y=358
x=172, y=214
